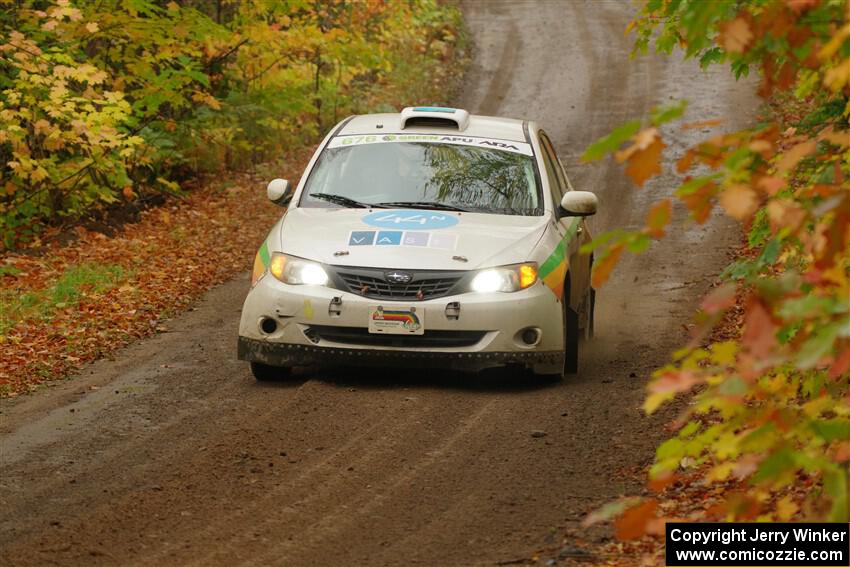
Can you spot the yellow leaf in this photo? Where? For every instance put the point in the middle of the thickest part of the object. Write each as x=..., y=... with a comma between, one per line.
x=786, y=508
x=92, y=27
x=39, y=174
x=839, y=76
x=654, y=401
x=724, y=352
x=720, y=472
x=832, y=46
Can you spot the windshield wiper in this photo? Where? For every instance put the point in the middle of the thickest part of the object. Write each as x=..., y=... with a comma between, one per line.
x=424, y=205
x=344, y=201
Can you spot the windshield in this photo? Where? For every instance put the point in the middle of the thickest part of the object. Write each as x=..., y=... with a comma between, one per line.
x=456, y=176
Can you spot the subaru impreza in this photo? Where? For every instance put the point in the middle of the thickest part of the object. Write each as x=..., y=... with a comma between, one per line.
x=428, y=238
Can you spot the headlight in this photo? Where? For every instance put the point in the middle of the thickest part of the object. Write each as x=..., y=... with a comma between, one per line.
x=505, y=278
x=297, y=271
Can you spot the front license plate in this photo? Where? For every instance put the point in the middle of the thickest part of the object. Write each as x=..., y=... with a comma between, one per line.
x=396, y=320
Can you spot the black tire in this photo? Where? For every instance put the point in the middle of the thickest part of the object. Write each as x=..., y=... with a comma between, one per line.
x=591, y=315
x=572, y=332
x=265, y=373
x=571, y=339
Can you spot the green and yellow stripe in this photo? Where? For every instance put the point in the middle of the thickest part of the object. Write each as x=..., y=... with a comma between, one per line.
x=554, y=269
x=261, y=263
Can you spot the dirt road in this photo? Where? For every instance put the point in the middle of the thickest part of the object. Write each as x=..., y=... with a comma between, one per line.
x=172, y=454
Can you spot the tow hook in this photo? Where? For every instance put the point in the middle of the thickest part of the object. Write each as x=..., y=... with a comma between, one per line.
x=453, y=310
x=335, y=307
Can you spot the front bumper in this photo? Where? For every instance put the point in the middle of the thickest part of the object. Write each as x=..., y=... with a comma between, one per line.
x=278, y=354
x=488, y=329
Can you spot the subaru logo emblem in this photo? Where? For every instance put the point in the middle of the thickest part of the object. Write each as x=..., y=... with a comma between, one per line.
x=397, y=277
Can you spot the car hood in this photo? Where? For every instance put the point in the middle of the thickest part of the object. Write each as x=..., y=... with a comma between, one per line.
x=411, y=239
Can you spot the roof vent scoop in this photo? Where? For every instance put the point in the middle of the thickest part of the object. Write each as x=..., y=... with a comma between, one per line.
x=437, y=116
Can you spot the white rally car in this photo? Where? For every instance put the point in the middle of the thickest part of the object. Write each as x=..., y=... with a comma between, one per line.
x=427, y=238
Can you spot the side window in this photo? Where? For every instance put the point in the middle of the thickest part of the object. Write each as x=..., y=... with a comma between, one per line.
x=549, y=151
x=553, y=171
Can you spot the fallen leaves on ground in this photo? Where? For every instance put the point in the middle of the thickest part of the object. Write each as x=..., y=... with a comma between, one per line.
x=169, y=259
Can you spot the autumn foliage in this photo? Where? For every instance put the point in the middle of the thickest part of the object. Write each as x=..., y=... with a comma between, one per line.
x=110, y=101
x=768, y=423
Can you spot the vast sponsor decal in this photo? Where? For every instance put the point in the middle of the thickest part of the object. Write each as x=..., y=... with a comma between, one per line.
x=406, y=219
x=388, y=238
x=360, y=139
x=402, y=238
x=553, y=270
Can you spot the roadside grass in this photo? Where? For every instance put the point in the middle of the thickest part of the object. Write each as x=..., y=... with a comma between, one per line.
x=75, y=302
x=75, y=283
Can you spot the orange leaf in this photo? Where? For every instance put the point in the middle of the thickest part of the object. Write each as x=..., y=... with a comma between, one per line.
x=841, y=365
x=128, y=192
x=739, y=201
x=720, y=299
x=800, y=6
x=632, y=524
x=785, y=213
x=842, y=452
x=686, y=160
x=673, y=382
x=771, y=185
x=661, y=481
x=644, y=155
x=699, y=202
x=603, y=267
x=658, y=218
x=841, y=139
x=699, y=124
x=792, y=157
x=759, y=330
x=735, y=35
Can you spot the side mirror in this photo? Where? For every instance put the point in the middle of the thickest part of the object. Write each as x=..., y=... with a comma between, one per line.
x=579, y=204
x=279, y=192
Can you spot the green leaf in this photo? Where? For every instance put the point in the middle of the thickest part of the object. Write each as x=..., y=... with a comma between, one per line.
x=670, y=449
x=818, y=345
x=692, y=185
x=774, y=466
x=832, y=429
x=733, y=386
x=835, y=484
x=612, y=141
x=639, y=243
x=612, y=236
x=664, y=114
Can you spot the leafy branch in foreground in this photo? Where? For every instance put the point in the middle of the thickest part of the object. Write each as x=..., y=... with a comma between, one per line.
x=770, y=417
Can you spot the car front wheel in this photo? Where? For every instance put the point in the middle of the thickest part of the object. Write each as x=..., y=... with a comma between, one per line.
x=572, y=331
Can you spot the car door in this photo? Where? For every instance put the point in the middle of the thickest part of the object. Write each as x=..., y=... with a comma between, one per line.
x=579, y=264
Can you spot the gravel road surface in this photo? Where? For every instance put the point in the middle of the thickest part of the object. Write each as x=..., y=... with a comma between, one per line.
x=171, y=454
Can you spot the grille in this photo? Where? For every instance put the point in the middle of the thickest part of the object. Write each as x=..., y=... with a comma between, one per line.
x=370, y=282
x=361, y=336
